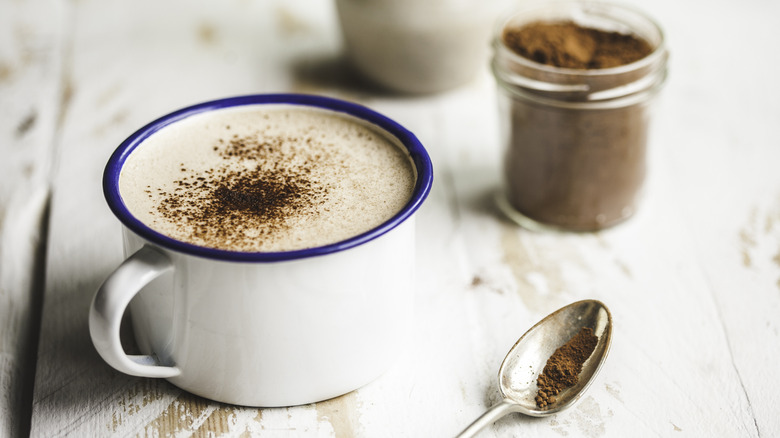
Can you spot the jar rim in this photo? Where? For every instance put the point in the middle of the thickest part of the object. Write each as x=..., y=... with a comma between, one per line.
x=613, y=102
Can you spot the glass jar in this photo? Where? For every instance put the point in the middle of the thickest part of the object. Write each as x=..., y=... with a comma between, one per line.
x=575, y=139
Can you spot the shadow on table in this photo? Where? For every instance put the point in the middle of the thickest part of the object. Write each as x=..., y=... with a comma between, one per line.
x=334, y=75
x=485, y=203
x=71, y=377
x=77, y=391
x=477, y=189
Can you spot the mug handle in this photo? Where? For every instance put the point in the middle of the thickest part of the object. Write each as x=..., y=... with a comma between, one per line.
x=109, y=304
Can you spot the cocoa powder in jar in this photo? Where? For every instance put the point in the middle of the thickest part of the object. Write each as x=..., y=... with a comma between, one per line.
x=575, y=115
x=568, y=45
x=574, y=169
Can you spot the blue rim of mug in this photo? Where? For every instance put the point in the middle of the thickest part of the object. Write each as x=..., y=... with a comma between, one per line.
x=417, y=153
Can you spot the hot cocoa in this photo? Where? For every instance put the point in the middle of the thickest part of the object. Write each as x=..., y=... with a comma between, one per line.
x=266, y=178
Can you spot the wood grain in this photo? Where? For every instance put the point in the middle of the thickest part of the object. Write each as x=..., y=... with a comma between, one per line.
x=693, y=280
x=29, y=86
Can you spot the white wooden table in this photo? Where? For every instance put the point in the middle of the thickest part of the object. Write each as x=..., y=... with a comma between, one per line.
x=693, y=281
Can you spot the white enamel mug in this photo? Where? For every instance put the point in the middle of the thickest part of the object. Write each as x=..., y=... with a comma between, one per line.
x=262, y=329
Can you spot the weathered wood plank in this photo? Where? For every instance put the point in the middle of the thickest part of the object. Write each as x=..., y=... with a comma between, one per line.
x=29, y=86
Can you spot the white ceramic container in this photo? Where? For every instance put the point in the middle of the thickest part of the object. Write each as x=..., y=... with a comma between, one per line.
x=415, y=46
x=262, y=329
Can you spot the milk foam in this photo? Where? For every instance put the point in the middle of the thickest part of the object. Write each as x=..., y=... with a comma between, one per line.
x=266, y=178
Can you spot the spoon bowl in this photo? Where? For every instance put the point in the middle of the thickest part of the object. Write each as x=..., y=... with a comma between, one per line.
x=527, y=358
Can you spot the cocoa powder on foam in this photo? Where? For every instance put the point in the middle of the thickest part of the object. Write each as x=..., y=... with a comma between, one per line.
x=266, y=179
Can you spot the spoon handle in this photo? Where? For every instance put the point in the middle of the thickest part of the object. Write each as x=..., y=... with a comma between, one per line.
x=495, y=412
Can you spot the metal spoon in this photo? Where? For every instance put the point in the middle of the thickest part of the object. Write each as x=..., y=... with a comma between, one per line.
x=522, y=365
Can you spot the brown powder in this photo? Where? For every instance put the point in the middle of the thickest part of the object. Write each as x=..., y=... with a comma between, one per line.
x=564, y=366
x=576, y=158
x=579, y=170
x=225, y=205
x=568, y=45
